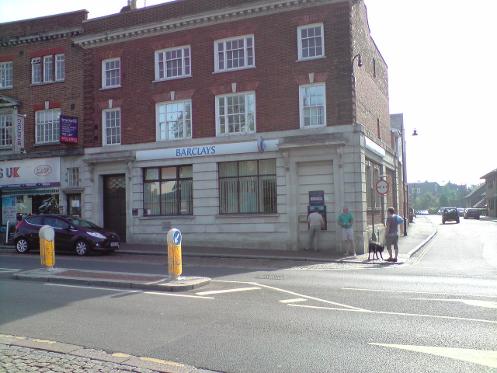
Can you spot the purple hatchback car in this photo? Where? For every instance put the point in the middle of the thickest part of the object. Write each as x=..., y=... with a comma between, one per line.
x=71, y=234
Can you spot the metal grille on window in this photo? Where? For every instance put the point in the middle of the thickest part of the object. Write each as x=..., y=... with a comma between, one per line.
x=6, y=129
x=47, y=126
x=247, y=187
x=168, y=191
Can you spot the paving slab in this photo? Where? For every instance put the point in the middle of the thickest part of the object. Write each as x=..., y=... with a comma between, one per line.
x=113, y=279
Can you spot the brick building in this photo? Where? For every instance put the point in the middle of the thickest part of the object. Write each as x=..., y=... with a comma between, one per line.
x=229, y=118
x=41, y=79
x=220, y=117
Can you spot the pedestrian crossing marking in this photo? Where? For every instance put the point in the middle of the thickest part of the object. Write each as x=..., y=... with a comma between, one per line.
x=486, y=358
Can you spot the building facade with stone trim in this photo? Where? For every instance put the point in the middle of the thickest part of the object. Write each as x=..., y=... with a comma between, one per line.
x=41, y=78
x=491, y=192
x=220, y=118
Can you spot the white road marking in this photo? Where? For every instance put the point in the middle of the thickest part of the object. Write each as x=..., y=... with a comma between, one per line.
x=292, y=293
x=9, y=270
x=419, y=292
x=486, y=358
x=93, y=288
x=294, y=300
x=124, y=291
x=469, y=302
x=176, y=295
x=397, y=313
x=211, y=292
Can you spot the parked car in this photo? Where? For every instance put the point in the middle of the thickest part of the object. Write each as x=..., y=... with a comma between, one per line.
x=460, y=211
x=71, y=234
x=472, y=213
x=450, y=214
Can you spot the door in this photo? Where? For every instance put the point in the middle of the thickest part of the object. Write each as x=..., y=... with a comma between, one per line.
x=115, y=204
x=314, y=176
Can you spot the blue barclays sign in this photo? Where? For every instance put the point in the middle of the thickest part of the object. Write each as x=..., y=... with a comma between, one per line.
x=258, y=146
x=196, y=151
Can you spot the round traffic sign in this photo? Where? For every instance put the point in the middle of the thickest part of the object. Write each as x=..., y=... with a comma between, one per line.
x=382, y=187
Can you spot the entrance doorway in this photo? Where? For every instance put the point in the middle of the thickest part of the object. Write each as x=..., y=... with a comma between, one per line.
x=115, y=204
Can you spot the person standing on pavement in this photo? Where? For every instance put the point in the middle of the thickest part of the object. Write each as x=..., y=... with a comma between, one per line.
x=316, y=223
x=392, y=233
x=346, y=221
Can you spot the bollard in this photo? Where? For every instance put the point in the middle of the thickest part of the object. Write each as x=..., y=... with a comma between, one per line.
x=174, y=260
x=47, y=249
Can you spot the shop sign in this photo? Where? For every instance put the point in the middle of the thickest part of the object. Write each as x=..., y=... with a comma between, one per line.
x=258, y=146
x=19, y=134
x=30, y=172
x=68, y=129
x=316, y=198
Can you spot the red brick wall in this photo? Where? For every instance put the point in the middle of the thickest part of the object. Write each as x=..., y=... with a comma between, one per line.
x=67, y=95
x=371, y=80
x=275, y=79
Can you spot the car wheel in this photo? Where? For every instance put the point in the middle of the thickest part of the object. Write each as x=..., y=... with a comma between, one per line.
x=22, y=246
x=443, y=221
x=81, y=248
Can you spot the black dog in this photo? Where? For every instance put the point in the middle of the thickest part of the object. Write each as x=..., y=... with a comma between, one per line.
x=375, y=248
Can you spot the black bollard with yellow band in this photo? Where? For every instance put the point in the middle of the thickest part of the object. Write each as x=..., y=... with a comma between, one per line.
x=174, y=259
x=47, y=247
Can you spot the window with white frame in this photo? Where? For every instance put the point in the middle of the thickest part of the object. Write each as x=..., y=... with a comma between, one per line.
x=60, y=68
x=235, y=113
x=312, y=105
x=45, y=70
x=311, y=41
x=6, y=74
x=111, y=73
x=111, y=119
x=174, y=120
x=48, y=68
x=73, y=177
x=36, y=73
x=6, y=129
x=234, y=53
x=173, y=63
x=47, y=126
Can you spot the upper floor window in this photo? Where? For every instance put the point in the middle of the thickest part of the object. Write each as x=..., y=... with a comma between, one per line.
x=234, y=53
x=111, y=120
x=47, y=126
x=111, y=73
x=174, y=120
x=6, y=74
x=235, y=113
x=73, y=177
x=5, y=129
x=44, y=70
x=311, y=41
x=172, y=63
x=312, y=105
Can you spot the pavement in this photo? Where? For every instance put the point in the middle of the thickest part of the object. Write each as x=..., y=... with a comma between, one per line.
x=22, y=354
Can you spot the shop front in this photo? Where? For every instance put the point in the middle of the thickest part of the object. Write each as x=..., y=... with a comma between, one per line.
x=29, y=186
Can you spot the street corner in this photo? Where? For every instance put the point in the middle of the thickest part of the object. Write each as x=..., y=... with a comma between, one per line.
x=21, y=354
x=139, y=281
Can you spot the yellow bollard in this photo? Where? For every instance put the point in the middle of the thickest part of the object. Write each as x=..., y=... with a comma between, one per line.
x=174, y=259
x=47, y=248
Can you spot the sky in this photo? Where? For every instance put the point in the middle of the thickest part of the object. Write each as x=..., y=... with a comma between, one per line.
x=441, y=56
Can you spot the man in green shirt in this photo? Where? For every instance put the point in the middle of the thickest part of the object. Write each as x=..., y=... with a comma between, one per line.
x=346, y=221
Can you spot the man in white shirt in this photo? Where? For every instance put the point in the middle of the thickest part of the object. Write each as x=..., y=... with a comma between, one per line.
x=316, y=223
